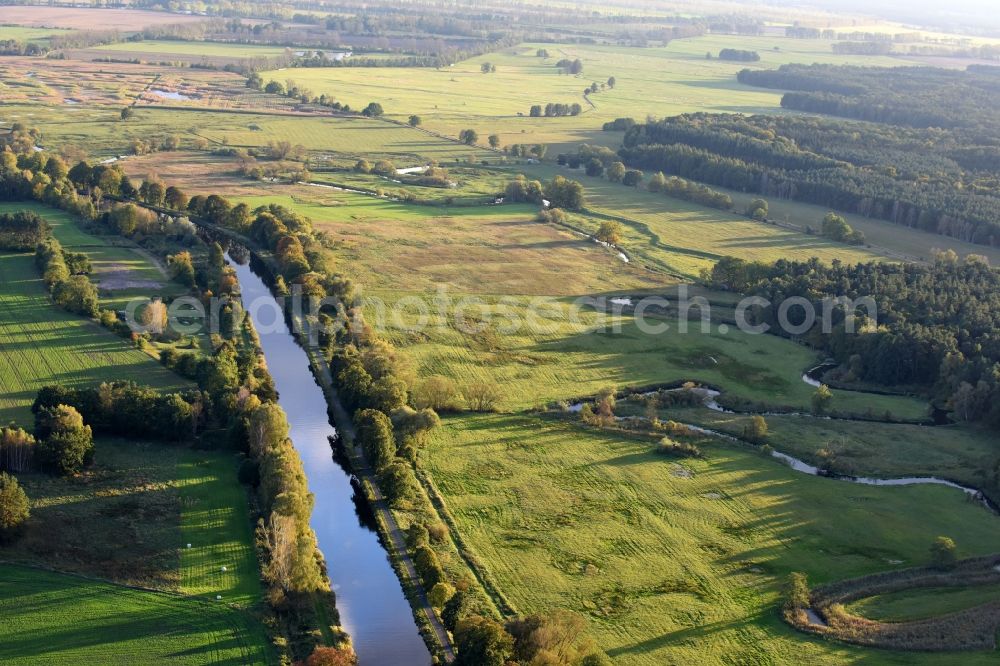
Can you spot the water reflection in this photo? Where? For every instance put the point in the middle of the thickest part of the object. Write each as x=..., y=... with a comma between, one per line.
x=370, y=598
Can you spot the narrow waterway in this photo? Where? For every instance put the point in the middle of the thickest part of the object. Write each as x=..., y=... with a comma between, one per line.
x=373, y=608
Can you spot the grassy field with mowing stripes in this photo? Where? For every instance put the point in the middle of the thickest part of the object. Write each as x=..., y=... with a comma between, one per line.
x=61, y=619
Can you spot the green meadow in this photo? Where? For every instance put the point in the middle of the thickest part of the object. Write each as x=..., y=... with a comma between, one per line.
x=870, y=449
x=661, y=81
x=560, y=350
x=26, y=34
x=919, y=604
x=680, y=560
x=129, y=519
x=55, y=618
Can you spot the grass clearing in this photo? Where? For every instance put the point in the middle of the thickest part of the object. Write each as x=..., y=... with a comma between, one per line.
x=679, y=561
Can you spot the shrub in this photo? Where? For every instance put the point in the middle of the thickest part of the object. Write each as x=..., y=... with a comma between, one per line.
x=669, y=446
x=416, y=536
x=438, y=393
x=757, y=209
x=944, y=553
x=331, y=656
x=438, y=532
x=797, y=595
x=66, y=445
x=14, y=506
x=821, y=399
x=440, y=594
x=552, y=216
x=756, y=430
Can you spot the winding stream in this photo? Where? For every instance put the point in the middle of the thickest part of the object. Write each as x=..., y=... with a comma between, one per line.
x=373, y=608
x=794, y=463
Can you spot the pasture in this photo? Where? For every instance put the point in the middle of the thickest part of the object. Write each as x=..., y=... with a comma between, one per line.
x=62, y=619
x=214, y=520
x=512, y=277
x=128, y=519
x=661, y=81
x=686, y=237
x=679, y=560
x=477, y=250
x=557, y=349
x=349, y=137
x=37, y=90
x=683, y=233
x=24, y=34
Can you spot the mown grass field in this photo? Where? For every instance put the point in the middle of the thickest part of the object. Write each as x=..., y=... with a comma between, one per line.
x=214, y=520
x=128, y=519
x=60, y=619
x=680, y=561
x=658, y=81
x=41, y=344
x=919, y=604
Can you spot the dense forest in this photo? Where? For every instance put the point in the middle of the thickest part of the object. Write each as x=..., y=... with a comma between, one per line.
x=911, y=96
x=942, y=181
x=938, y=325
